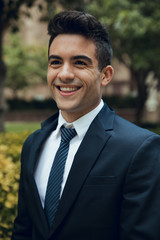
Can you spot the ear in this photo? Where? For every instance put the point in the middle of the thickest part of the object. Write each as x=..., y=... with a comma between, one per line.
x=106, y=76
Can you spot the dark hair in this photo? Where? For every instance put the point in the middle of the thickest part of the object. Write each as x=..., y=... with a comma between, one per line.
x=75, y=22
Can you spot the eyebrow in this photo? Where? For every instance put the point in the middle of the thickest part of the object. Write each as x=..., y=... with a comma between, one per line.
x=83, y=57
x=73, y=58
x=54, y=56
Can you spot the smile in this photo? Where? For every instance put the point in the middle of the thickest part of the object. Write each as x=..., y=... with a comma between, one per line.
x=68, y=89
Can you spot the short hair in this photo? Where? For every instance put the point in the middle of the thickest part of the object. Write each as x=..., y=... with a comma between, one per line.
x=76, y=22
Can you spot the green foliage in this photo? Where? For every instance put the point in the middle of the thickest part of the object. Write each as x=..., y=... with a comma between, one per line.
x=10, y=148
x=27, y=65
x=134, y=27
x=9, y=15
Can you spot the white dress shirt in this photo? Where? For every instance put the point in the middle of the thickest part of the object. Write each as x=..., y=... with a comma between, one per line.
x=51, y=145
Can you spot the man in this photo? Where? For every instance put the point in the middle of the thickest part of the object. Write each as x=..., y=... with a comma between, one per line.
x=108, y=186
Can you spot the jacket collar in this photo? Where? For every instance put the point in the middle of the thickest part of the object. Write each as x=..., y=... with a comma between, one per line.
x=49, y=121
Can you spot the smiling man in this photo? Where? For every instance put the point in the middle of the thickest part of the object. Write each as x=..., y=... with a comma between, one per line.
x=74, y=77
x=87, y=174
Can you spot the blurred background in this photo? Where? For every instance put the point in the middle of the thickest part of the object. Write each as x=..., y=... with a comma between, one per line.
x=134, y=29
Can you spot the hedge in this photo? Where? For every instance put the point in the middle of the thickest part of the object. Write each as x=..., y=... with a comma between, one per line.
x=113, y=101
x=10, y=149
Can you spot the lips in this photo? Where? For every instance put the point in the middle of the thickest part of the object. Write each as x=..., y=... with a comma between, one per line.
x=68, y=90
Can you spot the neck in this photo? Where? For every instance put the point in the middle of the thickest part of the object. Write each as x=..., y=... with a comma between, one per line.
x=73, y=116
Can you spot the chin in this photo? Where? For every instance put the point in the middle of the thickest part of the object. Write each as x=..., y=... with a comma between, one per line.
x=66, y=106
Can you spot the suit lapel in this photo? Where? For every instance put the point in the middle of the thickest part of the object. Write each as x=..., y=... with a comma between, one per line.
x=86, y=156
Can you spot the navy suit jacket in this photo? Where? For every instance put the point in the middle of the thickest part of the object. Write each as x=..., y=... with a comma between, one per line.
x=112, y=191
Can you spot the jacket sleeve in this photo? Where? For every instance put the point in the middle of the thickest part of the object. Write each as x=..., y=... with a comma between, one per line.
x=140, y=213
x=22, y=229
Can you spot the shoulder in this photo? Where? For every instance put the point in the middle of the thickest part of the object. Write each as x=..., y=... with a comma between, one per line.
x=129, y=128
x=47, y=127
x=121, y=127
x=133, y=136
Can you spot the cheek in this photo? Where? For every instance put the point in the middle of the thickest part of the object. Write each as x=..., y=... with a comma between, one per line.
x=94, y=83
x=49, y=81
x=50, y=76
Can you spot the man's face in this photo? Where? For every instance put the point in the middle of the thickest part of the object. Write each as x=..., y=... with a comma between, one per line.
x=73, y=75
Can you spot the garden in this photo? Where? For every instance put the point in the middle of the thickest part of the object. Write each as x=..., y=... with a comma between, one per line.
x=10, y=149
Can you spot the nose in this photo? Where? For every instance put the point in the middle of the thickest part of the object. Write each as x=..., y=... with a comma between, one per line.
x=66, y=73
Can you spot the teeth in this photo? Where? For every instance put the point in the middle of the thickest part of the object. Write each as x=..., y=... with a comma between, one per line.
x=68, y=89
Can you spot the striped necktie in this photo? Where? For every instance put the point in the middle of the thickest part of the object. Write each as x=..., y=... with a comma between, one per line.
x=56, y=174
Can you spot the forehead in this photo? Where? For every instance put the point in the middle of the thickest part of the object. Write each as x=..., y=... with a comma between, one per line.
x=73, y=44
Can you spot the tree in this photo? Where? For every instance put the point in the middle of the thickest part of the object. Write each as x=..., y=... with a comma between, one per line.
x=10, y=10
x=9, y=14
x=134, y=27
x=26, y=64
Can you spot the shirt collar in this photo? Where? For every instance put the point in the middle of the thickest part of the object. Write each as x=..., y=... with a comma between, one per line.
x=82, y=124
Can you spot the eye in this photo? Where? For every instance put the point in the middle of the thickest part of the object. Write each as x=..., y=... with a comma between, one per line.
x=54, y=62
x=80, y=63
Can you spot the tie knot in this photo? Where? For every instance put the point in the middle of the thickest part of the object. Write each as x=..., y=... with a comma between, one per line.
x=67, y=134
